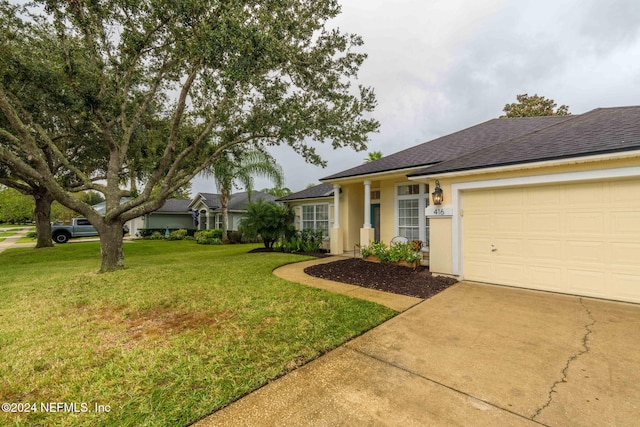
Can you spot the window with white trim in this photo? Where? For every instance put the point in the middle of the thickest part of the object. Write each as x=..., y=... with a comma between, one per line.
x=411, y=222
x=316, y=217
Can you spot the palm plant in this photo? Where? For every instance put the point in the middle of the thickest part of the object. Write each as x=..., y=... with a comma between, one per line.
x=373, y=156
x=240, y=166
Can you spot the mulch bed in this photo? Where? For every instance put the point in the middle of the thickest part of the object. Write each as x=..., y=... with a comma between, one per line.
x=419, y=282
x=385, y=277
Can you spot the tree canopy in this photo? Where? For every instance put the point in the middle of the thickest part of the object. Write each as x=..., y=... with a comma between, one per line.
x=166, y=87
x=531, y=106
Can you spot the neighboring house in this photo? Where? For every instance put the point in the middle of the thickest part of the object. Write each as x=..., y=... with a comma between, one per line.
x=549, y=203
x=204, y=207
x=174, y=214
x=209, y=212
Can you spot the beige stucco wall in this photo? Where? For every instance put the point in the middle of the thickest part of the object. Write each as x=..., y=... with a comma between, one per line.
x=387, y=209
x=440, y=234
x=352, y=210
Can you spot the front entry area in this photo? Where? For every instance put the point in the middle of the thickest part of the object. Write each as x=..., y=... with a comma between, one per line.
x=375, y=220
x=574, y=238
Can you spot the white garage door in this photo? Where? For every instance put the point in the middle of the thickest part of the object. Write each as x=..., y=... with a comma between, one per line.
x=581, y=239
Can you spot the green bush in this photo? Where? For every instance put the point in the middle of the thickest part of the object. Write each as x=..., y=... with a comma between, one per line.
x=178, y=234
x=156, y=235
x=394, y=253
x=147, y=232
x=302, y=241
x=268, y=221
x=209, y=237
x=32, y=235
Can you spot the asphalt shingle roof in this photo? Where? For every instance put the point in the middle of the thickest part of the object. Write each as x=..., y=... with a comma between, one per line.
x=454, y=145
x=237, y=202
x=321, y=190
x=601, y=131
x=175, y=206
x=240, y=201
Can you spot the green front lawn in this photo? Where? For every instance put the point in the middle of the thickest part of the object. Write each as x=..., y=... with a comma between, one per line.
x=184, y=330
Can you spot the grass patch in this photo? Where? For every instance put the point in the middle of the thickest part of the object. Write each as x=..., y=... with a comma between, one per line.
x=184, y=330
x=27, y=240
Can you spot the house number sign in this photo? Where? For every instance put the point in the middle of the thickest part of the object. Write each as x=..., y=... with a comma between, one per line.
x=442, y=211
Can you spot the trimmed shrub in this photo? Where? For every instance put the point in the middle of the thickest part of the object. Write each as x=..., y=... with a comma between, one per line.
x=209, y=237
x=146, y=232
x=156, y=235
x=394, y=253
x=178, y=234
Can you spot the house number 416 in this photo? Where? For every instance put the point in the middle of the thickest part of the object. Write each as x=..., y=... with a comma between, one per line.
x=438, y=211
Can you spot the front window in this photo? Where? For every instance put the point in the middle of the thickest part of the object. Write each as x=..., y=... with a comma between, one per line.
x=411, y=201
x=316, y=217
x=409, y=219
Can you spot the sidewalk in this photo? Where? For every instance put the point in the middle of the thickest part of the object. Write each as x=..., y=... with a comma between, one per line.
x=11, y=241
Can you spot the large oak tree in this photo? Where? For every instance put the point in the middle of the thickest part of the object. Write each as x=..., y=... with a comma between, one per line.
x=216, y=73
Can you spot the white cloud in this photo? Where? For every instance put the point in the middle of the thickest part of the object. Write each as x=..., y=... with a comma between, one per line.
x=440, y=66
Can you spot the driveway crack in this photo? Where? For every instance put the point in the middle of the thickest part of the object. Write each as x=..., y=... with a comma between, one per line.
x=585, y=349
x=417, y=374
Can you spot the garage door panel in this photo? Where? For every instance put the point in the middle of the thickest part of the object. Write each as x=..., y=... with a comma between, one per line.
x=625, y=193
x=585, y=223
x=543, y=249
x=544, y=277
x=510, y=198
x=507, y=248
x=626, y=222
x=509, y=223
x=626, y=285
x=581, y=195
x=505, y=271
x=544, y=222
x=481, y=223
x=478, y=246
x=541, y=197
x=578, y=238
x=585, y=251
x=623, y=253
x=586, y=282
x=480, y=270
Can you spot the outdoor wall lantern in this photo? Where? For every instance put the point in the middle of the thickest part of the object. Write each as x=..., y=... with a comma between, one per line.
x=437, y=194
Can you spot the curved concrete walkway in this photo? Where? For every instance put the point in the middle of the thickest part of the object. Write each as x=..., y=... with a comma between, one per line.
x=295, y=273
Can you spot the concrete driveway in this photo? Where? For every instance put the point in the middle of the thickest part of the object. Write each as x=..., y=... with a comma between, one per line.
x=473, y=355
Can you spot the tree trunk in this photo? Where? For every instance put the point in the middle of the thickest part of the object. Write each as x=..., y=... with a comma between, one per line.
x=111, y=248
x=42, y=215
x=224, y=205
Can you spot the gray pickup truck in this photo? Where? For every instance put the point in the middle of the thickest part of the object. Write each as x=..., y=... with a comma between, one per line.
x=79, y=227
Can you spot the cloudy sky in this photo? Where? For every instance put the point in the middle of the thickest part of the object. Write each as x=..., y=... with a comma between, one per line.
x=440, y=66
